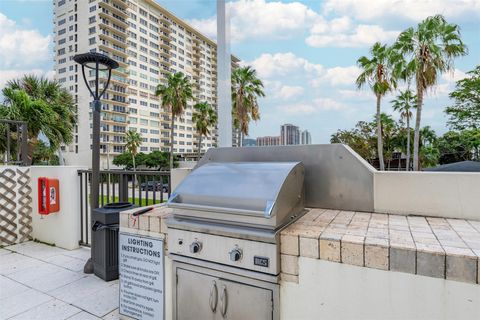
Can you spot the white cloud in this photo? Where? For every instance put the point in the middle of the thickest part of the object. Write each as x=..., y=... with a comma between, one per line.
x=415, y=10
x=260, y=19
x=357, y=95
x=341, y=32
x=287, y=92
x=454, y=75
x=271, y=66
x=21, y=48
x=338, y=76
x=281, y=64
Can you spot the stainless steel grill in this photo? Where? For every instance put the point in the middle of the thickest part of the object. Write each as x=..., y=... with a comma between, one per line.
x=257, y=194
x=225, y=226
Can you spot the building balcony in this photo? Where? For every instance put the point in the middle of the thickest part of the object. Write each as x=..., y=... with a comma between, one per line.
x=111, y=91
x=113, y=6
x=166, y=62
x=165, y=37
x=107, y=25
x=121, y=71
x=165, y=54
x=196, y=54
x=165, y=28
x=165, y=45
x=117, y=20
x=116, y=51
x=165, y=21
x=113, y=38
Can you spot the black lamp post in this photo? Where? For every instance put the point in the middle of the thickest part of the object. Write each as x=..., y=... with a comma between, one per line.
x=98, y=62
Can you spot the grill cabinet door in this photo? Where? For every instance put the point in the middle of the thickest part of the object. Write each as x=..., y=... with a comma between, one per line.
x=197, y=295
x=241, y=302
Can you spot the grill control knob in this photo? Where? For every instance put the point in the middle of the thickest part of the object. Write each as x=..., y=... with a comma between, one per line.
x=235, y=254
x=196, y=247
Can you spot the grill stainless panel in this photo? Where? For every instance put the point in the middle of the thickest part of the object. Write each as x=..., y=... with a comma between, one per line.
x=224, y=237
x=263, y=194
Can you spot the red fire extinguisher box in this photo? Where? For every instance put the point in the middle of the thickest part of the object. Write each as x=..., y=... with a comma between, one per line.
x=48, y=195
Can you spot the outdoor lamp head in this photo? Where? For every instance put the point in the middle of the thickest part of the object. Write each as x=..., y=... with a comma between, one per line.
x=90, y=60
x=98, y=62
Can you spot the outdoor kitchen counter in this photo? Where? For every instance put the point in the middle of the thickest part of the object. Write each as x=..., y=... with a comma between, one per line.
x=433, y=247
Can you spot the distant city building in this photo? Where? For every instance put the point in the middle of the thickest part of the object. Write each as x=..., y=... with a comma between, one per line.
x=289, y=134
x=249, y=143
x=268, y=141
x=306, y=137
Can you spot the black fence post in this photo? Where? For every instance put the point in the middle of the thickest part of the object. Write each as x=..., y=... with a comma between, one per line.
x=25, y=161
x=123, y=188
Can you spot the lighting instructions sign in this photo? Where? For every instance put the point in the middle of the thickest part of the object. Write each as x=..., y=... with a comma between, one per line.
x=141, y=266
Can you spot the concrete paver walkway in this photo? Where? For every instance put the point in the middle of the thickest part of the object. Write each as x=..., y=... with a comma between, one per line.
x=38, y=281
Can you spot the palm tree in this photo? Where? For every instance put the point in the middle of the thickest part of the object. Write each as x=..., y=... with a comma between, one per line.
x=203, y=117
x=175, y=95
x=47, y=109
x=403, y=104
x=133, y=140
x=430, y=50
x=378, y=75
x=246, y=89
x=389, y=131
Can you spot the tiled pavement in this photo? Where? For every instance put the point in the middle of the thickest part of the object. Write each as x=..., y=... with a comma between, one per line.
x=434, y=247
x=38, y=281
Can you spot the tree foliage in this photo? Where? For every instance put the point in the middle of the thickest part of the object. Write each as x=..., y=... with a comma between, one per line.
x=457, y=146
x=246, y=89
x=133, y=140
x=204, y=117
x=174, y=95
x=47, y=109
x=362, y=139
x=44, y=155
x=427, y=51
x=157, y=160
x=377, y=73
x=465, y=113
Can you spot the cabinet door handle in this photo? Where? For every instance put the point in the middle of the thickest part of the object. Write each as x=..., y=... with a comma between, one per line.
x=213, y=296
x=223, y=301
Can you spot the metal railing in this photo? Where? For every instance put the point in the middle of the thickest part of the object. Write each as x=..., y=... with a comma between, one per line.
x=142, y=188
x=13, y=142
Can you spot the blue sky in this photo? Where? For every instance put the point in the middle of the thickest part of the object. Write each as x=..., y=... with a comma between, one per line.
x=304, y=51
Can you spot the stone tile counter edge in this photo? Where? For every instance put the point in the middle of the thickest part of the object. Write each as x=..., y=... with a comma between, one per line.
x=432, y=247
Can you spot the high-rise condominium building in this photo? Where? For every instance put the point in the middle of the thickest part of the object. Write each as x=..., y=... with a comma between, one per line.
x=289, y=134
x=306, y=138
x=149, y=43
x=268, y=141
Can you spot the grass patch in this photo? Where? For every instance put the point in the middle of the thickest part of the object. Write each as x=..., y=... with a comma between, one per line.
x=143, y=203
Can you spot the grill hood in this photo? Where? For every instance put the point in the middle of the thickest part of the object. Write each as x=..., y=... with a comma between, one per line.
x=261, y=194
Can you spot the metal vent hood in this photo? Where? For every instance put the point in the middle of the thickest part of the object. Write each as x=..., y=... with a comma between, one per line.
x=265, y=194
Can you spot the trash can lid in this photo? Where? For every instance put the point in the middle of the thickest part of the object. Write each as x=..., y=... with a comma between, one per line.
x=117, y=205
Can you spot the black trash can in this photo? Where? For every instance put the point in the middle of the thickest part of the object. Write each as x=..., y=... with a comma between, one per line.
x=105, y=225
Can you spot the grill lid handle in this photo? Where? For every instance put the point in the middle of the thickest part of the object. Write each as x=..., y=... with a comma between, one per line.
x=213, y=296
x=267, y=212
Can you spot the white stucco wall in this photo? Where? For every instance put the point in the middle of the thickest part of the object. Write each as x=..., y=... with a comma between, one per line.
x=440, y=194
x=61, y=228
x=178, y=175
x=328, y=290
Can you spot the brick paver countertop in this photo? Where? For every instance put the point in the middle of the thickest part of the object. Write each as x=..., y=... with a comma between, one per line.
x=434, y=247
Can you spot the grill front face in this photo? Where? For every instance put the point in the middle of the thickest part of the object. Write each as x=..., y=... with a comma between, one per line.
x=254, y=194
x=223, y=237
